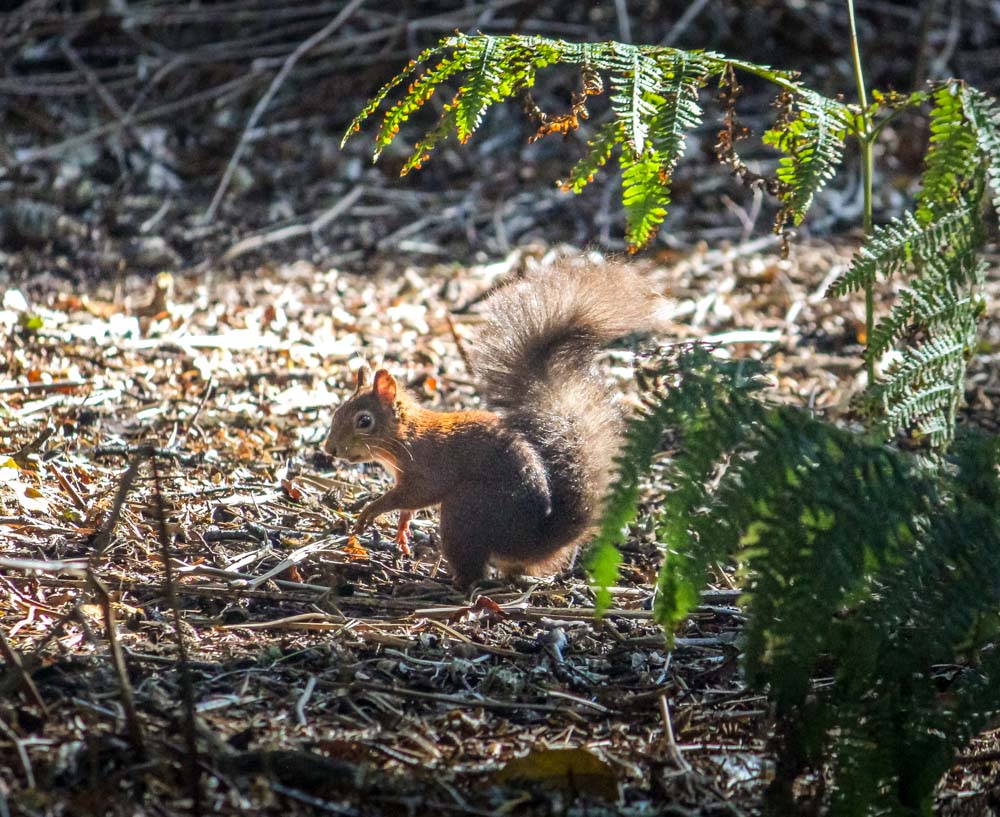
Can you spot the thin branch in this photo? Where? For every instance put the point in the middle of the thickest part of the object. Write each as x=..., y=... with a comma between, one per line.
x=14, y=665
x=187, y=688
x=261, y=106
x=118, y=661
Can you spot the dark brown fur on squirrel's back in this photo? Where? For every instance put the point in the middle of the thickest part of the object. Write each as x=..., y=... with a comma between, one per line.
x=535, y=357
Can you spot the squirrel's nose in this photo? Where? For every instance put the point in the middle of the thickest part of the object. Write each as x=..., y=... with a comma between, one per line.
x=330, y=447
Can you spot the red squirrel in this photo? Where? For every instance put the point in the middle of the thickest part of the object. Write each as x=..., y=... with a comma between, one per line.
x=519, y=486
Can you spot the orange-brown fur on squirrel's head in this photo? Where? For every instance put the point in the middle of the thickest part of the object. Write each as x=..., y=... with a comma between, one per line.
x=365, y=427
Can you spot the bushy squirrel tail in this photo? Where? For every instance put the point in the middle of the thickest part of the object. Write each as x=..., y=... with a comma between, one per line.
x=535, y=359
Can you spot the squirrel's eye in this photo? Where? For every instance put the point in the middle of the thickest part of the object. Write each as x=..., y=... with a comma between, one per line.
x=364, y=420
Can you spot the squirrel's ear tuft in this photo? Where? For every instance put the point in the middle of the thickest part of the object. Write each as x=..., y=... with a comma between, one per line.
x=384, y=386
x=364, y=377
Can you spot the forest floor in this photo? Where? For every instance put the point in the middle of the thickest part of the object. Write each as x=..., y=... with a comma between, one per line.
x=325, y=674
x=185, y=279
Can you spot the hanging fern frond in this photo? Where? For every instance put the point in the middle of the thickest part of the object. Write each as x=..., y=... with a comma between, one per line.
x=422, y=150
x=983, y=113
x=677, y=110
x=483, y=88
x=811, y=133
x=636, y=77
x=417, y=94
x=654, y=99
x=598, y=152
x=645, y=194
x=376, y=101
x=953, y=151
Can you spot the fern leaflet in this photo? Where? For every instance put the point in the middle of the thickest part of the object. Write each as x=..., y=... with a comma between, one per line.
x=811, y=133
x=984, y=114
x=598, y=152
x=953, y=151
x=894, y=245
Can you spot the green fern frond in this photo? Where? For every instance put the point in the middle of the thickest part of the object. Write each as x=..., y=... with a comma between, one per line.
x=645, y=195
x=503, y=67
x=634, y=78
x=376, y=101
x=983, y=113
x=894, y=245
x=423, y=148
x=924, y=388
x=642, y=442
x=939, y=297
x=858, y=560
x=654, y=98
x=935, y=317
x=677, y=110
x=813, y=138
x=487, y=73
x=952, y=153
x=598, y=152
x=419, y=91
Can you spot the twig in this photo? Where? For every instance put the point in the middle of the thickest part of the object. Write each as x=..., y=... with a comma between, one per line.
x=143, y=451
x=29, y=775
x=118, y=661
x=624, y=27
x=317, y=803
x=440, y=697
x=304, y=47
x=53, y=151
x=209, y=390
x=44, y=565
x=14, y=663
x=67, y=486
x=94, y=82
x=55, y=385
x=255, y=242
x=668, y=733
x=303, y=700
x=187, y=690
x=103, y=536
x=678, y=29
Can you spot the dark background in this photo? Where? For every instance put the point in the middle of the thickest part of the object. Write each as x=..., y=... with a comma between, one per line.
x=117, y=123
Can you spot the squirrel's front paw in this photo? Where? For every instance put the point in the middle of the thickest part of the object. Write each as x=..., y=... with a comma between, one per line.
x=403, y=533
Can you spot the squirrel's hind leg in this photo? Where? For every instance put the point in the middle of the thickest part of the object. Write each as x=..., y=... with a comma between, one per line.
x=476, y=525
x=462, y=543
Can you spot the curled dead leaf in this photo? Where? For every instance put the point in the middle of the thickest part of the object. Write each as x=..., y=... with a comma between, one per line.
x=355, y=549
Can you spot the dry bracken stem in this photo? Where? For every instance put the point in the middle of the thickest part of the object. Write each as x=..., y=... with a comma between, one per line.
x=866, y=136
x=184, y=666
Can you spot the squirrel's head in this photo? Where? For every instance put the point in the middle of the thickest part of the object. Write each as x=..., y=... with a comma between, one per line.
x=365, y=426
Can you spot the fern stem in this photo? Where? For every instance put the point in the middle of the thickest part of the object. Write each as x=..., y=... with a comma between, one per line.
x=769, y=74
x=856, y=54
x=866, y=176
x=866, y=136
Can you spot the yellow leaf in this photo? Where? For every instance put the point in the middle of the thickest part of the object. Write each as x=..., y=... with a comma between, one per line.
x=573, y=770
